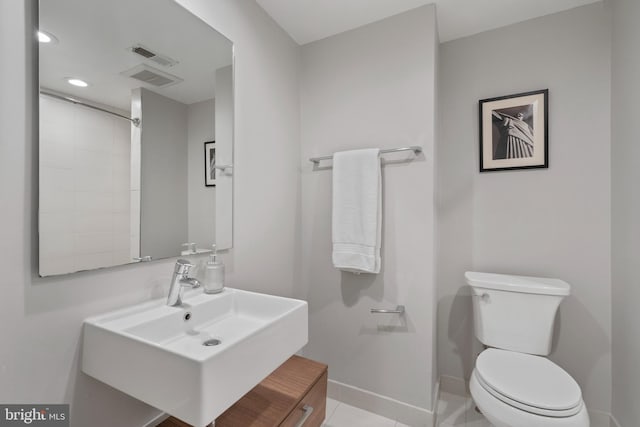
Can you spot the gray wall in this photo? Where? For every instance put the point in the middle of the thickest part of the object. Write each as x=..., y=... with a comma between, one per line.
x=224, y=156
x=163, y=177
x=373, y=87
x=549, y=222
x=41, y=319
x=202, y=199
x=625, y=177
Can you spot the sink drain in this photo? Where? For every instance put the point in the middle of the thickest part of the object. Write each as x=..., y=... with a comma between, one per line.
x=211, y=342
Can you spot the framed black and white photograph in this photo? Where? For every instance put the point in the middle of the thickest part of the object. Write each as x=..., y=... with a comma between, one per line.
x=210, y=163
x=514, y=132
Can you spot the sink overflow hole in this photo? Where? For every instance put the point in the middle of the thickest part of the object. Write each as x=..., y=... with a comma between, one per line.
x=187, y=316
x=211, y=342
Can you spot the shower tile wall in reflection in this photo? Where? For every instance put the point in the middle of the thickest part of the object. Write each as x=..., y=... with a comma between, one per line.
x=85, y=162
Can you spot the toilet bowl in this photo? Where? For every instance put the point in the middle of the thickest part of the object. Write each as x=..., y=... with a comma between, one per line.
x=521, y=390
x=512, y=383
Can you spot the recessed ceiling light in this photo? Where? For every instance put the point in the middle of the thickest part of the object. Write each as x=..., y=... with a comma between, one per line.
x=44, y=37
x=77, y=82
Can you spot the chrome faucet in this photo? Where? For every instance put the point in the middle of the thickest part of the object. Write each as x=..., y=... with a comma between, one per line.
x=180, y=280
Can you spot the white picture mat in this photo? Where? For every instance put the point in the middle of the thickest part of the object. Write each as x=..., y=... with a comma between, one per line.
x=537, y=101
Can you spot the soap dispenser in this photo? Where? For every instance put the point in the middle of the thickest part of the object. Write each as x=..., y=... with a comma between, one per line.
x=213, y=274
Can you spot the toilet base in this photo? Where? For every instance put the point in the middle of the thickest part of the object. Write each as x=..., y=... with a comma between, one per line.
x=499, y=414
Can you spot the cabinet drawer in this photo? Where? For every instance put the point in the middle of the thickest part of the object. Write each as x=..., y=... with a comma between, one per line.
x=278, y=399
x=294, y=395
x=310, y=412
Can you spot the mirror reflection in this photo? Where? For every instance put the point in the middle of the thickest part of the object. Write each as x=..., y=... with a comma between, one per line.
x=136, y=134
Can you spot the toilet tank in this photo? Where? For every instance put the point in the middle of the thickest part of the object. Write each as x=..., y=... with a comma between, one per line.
x=515, y=313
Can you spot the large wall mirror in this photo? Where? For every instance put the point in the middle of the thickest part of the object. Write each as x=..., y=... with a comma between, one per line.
x=136, y=134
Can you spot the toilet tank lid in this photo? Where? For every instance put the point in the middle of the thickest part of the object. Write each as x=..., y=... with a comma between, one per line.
x=524, y=284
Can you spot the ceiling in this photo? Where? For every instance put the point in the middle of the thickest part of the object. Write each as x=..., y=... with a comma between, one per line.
x=93, y=41
x=310, y=20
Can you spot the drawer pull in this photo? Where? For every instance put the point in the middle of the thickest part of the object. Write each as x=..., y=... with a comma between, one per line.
x=308, y=410
x=398, y=310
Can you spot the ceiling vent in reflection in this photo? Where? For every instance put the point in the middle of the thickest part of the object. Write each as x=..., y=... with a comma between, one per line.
x=152, y=76
x=149, y=54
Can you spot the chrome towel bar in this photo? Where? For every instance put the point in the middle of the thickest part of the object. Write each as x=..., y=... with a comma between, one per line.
x=415, y=148
x=399, y=310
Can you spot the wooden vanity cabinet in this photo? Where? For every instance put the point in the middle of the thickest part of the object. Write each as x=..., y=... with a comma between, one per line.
x=294, y=395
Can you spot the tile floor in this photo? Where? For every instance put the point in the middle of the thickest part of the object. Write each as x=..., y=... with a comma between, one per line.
x=459, y=411
x=453, y=411
x=342, y=415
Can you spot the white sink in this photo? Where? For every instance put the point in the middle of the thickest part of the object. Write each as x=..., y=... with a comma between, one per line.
x=152, y=353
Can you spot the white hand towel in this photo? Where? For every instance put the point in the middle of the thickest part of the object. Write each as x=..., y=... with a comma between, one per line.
x=357, y=210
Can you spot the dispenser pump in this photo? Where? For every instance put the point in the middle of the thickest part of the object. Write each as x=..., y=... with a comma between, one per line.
x=214, y=274
x=213, y=256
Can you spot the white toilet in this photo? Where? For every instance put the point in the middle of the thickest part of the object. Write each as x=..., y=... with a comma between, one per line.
x=512, y=384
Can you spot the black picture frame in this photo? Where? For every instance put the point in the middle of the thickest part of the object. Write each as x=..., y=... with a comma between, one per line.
x=514, y=131
x=209, y=164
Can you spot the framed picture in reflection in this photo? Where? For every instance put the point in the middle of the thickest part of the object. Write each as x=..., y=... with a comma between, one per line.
x=514, y=132
x=210, y=163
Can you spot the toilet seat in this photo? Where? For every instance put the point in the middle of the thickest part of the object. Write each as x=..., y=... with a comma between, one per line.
x=501, y=414
x=529, y=383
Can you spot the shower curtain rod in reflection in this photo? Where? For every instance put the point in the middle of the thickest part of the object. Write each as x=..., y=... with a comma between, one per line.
x=135, y=121
x=415, y=148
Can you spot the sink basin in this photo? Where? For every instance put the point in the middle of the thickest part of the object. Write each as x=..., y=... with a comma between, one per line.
x=196, y=360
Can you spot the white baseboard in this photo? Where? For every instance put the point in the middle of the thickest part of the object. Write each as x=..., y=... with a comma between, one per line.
x=454, y=385
x=602, y=419
x=599, y=419
x=382, y=405
x=434, y=403
x=614, y=422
